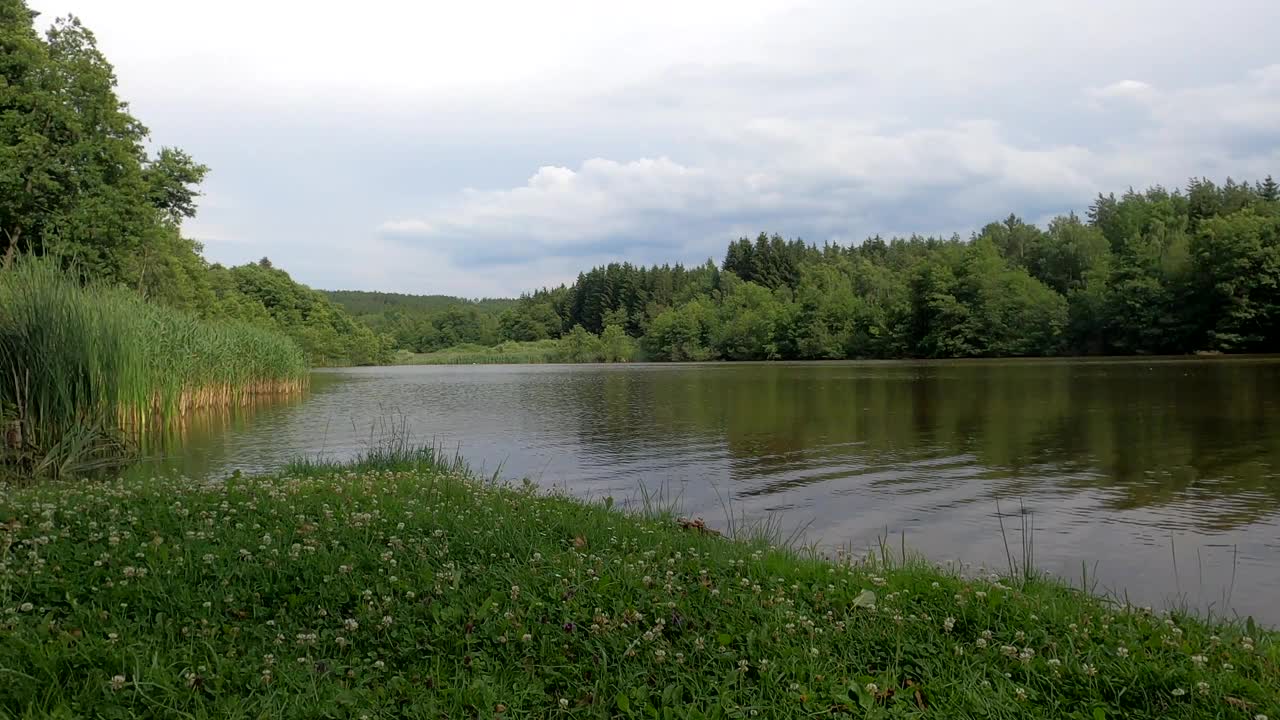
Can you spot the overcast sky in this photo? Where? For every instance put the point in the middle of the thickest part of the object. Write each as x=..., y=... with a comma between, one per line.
x=484, y=148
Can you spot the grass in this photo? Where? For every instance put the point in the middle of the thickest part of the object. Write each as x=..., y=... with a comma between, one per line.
x=400, y=586
x=83, y=370
x=508, y=353
x=578, y=346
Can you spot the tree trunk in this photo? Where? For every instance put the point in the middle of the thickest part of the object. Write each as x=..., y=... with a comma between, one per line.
x=12, y=250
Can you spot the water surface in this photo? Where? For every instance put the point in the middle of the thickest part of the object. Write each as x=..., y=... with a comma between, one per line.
x=1164, y=473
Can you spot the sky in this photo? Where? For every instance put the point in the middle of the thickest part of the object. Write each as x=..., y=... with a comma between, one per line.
x=488, y=148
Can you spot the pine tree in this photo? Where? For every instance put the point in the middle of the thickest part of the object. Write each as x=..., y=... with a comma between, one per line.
x=1268, y=190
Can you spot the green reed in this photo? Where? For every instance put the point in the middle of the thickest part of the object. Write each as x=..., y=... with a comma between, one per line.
x=84, y=370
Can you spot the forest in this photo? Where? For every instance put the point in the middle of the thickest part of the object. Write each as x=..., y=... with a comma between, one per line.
x=1192, y=270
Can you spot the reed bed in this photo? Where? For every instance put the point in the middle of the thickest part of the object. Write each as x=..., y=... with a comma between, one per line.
x=84, y=370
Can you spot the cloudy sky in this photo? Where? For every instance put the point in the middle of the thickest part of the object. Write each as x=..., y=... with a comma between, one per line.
x=484, y=148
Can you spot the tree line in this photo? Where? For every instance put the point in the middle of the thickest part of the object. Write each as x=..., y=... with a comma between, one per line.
x=1158, y=271
x=78, y=184
x=1153, y=272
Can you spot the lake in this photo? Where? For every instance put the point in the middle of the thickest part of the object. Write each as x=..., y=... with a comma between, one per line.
x=1161, y=476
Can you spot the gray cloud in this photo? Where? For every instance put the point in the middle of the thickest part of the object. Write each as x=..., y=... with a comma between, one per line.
x=495, y=147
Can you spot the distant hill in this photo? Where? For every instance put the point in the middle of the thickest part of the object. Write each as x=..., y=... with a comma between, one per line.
x=365, y=302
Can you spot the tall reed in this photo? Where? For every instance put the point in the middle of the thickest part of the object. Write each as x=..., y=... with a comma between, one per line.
x=84, y=370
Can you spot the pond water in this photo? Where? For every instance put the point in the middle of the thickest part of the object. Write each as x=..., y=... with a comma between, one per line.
x=1161, y=476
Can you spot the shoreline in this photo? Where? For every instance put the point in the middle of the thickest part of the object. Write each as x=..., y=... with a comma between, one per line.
x=415, y=360
x=402, y=583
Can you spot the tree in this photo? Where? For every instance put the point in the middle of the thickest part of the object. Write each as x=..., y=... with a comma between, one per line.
x=75, y=179
x=752, y=322
x=681, y=334
x=1268, y=190
x=1068, y=253
x=530, y=320
x=1016, y=241
x=580, y=346
x=616, y=345
x=1238, y=260
x=1010, y=312
x=826, y=312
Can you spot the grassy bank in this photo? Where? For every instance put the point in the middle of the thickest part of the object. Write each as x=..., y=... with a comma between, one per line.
x=82, y=370
x=508, y=353
x=407, y=589
x=579, y=346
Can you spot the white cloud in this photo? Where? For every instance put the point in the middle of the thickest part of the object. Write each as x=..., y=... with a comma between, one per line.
x=559, y=207
x=823, y=180
x=1134, y=90
x=500, y=145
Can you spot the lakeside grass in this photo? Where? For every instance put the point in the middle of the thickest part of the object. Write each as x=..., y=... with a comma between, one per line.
x=508, y=353
x=83, y=370
x=403, y=587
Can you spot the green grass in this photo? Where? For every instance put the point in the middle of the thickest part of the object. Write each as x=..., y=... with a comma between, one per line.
x=508, y=353
x=403, y=587
x=84, y=369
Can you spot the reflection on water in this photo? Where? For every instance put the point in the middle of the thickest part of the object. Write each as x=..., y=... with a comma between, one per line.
x=1122, y=462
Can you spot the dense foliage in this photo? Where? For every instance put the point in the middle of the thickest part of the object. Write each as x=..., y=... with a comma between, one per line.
x=405, y=588
x=77, y=184
x=1152, y=272
x=1169, y=272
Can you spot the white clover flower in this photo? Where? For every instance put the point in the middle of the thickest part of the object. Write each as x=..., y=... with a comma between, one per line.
x=26, y=607
x=1122, y=651
x=117, y=682
x=1179, y=692
x=1199, y=659
x=1203, y=687
x=1020, y=693
x=872, y=688
x=948, y=624
x=564, y=702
